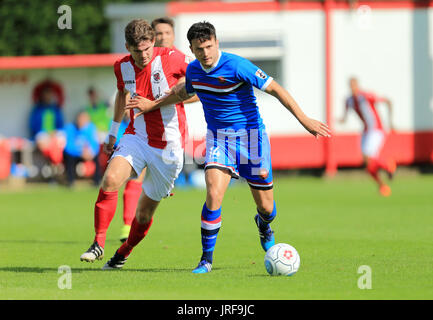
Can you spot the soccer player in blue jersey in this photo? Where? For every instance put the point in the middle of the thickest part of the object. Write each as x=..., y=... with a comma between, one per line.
x=236, y=143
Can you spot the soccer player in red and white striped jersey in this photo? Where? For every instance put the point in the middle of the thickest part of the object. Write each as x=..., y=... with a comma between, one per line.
x=153, y=141
x=373, y=136
x=164, y=37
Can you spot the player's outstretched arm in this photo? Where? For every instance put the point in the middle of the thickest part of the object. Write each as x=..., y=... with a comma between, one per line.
x=344, y=117
x=315, y=127
x=192, y=99
x=180, y=91
x=176, y=94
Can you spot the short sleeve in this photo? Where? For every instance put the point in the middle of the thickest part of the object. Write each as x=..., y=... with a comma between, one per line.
x=118, y=73
x=373, y=98
x=248, y=72
x=188, y=84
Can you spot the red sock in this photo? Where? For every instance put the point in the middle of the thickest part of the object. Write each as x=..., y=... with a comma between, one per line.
x=105, y=208
x=137, y=233
x=382, y=164
x=373, y=168
x=130, y=199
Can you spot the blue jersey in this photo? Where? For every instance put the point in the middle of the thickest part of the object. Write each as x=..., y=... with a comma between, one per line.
x=79, y=138
x=226, y=91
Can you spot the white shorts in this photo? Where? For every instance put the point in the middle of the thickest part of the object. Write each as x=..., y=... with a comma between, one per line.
x=372, y=142
x=163, y=165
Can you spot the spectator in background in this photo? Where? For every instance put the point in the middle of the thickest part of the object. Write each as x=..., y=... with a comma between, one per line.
x=54, y=86
x=98, y=111
x=81, y=146
x=99, y=114
x=46, y=124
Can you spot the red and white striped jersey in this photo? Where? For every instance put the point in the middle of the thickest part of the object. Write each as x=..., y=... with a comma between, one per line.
x=167, y=124
x=364, y=106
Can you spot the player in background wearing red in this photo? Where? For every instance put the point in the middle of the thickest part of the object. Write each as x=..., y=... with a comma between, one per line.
x=164, y=32
x=164, y=37
x=154, y=140
x=374, y=135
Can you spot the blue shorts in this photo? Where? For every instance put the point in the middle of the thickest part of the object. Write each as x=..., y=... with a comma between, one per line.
x=245, y=153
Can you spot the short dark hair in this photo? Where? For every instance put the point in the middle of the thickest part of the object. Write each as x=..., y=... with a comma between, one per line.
x=138, y=30
x=201, y=31
x=166, y=20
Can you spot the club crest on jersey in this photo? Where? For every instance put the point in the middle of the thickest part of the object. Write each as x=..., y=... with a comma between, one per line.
x=157, y=76
x=260, y=74
x=221, y=79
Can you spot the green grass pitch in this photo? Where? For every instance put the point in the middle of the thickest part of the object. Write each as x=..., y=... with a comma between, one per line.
x=337, y=225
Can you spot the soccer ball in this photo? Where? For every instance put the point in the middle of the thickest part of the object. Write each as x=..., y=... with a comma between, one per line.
x=282, y=259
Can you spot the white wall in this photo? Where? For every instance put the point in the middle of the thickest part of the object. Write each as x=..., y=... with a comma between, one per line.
x=378, y=53
x=390, y=55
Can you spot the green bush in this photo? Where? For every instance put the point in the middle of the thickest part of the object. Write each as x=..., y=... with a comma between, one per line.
x=29, y=27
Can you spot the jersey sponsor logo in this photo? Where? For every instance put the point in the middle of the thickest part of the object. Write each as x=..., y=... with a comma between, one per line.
x=128, y=76
x=260, y=74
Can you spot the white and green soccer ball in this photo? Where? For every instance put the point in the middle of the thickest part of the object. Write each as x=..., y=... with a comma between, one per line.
x=282, y=259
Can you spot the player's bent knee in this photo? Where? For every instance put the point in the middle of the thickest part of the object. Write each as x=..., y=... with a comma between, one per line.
x=266, y=208
x=214, y=195
x=111, y=181
x=214, y=199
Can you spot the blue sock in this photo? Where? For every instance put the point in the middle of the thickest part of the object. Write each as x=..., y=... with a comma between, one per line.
x=210, y=225
x=266, y=219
